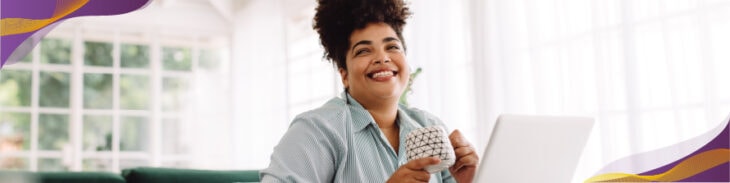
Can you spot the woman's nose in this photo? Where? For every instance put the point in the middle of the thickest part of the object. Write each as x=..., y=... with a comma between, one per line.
x=382, y=58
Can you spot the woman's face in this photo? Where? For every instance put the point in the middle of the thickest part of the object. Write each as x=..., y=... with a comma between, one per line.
x=377, y=70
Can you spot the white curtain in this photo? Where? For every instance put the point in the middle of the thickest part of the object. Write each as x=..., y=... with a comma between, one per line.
x=652, y=72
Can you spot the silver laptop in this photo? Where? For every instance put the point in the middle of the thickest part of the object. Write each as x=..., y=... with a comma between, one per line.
x=533, y=149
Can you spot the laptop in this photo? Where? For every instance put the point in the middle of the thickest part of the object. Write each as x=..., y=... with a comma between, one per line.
x=533, y=149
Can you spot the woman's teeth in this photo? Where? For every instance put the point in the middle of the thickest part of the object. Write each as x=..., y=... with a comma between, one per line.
x=383, y=74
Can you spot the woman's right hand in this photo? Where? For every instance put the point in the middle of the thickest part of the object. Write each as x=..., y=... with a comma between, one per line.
x=414, y=171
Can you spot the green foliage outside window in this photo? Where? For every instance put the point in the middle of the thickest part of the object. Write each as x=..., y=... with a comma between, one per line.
x=98, y=91
x=134, y=92
x=52, y=131
x=15, y=87
x=98, y=54
x=55, y=51
x=177, y=59
x=51, y=165
x=96, y=128
x=133, y=134
x=173, y=93
x=135, y=56
x=54, y=89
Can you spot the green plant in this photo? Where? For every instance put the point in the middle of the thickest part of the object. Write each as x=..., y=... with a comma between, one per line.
x=404, y=95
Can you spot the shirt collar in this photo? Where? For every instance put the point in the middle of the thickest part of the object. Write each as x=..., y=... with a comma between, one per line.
x=405, y=122
x=360, y=117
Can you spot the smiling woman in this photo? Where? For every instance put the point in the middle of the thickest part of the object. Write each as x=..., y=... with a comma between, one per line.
x=357, y=137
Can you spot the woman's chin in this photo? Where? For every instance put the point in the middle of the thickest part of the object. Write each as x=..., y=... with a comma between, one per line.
x=388, y=95
x=382, y=94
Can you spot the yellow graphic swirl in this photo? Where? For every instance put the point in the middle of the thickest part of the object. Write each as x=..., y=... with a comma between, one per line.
x=691, y=166
x=13, y=26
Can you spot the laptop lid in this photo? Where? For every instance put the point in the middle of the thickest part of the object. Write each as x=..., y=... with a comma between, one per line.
x=534, y=149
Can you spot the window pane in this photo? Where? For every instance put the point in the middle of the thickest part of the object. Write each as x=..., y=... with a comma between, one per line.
x=209, y=59
x=132, y=163
x=14, y=131
x=52, y=131
x=13, y=163
x=55, y=51
x=54, y=89
x=173, y=93
x=134, y=92
x=97, y=165
x=28, y=58
x=171, y=143
x=98, y=91
x=98, y=53
x=176, y=58
x=15, y=87
x=97, y=133
x=133, y=134
x=135, y=56
x=51, y=165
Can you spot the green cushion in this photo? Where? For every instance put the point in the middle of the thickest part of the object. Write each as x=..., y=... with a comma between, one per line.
x=165, y=175
x=79, y=177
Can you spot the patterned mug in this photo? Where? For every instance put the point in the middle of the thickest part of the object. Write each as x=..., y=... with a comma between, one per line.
x=432, y=141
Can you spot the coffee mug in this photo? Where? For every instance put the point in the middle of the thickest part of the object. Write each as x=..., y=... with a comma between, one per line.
x=432, y=141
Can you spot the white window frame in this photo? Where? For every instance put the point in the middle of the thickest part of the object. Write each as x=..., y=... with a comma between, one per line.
x=76, y=69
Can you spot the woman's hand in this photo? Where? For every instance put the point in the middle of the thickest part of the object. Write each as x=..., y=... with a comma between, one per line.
x=413, y=171
x=465, y=166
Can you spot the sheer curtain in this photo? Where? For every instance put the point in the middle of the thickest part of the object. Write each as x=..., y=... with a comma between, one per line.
x=651, y=72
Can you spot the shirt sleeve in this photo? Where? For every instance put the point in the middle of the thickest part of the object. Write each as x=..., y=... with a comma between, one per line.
x=306, y=153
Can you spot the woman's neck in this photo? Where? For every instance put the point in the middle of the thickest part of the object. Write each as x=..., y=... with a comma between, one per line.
x=384, y=116
x=384, y=112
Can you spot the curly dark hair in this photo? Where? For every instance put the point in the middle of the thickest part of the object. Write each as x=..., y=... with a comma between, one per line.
x=335, y=21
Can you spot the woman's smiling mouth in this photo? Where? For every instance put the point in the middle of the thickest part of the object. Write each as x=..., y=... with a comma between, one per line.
x=382, y=75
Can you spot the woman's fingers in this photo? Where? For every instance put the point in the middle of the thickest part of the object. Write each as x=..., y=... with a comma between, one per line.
x=419, y=164
x=464, y=152
x=413, y=171
x=457, y=140
x=465, y=161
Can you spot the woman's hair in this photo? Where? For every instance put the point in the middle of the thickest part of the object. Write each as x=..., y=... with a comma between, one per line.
x=335, y=21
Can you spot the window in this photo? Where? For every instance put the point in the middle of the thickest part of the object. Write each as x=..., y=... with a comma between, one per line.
x=311, y=80
x=103, y=102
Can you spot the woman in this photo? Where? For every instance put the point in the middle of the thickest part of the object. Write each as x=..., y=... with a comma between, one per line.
x=359, y=137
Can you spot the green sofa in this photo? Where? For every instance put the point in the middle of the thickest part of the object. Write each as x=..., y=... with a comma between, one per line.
x=144, y=175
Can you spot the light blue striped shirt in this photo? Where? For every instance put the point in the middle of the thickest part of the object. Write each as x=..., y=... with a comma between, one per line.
x=342, y=143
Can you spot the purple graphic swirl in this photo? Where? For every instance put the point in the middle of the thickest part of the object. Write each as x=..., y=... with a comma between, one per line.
x=17, y=46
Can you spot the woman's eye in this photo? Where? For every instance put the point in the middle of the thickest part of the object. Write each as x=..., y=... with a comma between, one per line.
x=362, y=51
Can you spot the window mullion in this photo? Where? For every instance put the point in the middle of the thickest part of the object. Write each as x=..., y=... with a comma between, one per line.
x=115, y=102
x=155, y=106
x=35, y=91
x=76, y=104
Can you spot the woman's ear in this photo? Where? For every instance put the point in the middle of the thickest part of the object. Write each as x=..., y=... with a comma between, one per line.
x=343, y=74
